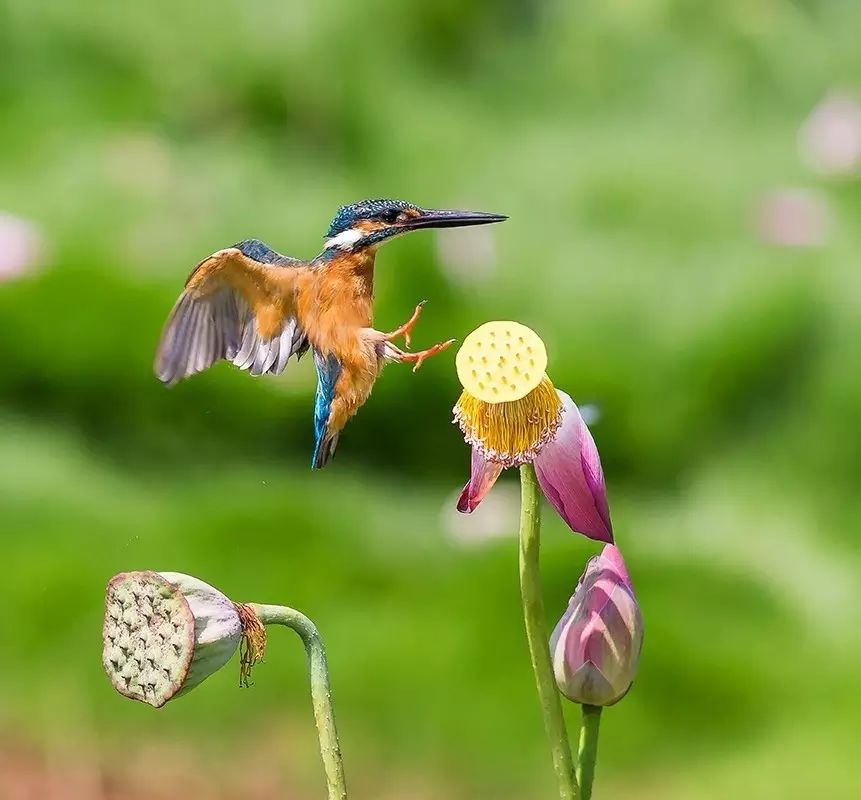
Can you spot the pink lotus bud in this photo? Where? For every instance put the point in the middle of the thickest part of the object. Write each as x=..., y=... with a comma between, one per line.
x=596, y=645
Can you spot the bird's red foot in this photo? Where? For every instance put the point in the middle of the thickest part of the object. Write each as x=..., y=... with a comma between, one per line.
x=419, y=358
x=406, y=329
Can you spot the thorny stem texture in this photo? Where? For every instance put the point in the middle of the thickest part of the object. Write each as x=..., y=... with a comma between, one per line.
x=321, y=698
x=588, y=751
x=536, y=634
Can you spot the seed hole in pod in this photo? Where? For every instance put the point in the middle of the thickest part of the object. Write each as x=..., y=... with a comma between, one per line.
x=495, y=390
x=516, y=370
x=526, y=375
x=471, y=359
x=481, y=386
x=531, y=362
x=501, y=361
x=508, y=331
x=504, y=379
x=484, y=359
x=474, y=373
x=508, y=345
x=493, y=345
x=493, y=334
x=528, y=349
x=520, y=339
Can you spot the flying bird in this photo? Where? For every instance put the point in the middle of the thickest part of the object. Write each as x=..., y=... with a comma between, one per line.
x=258, y=309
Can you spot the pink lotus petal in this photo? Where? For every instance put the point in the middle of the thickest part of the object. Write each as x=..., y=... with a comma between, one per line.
x=570, y=475
x=483, y=475
x=596, y=645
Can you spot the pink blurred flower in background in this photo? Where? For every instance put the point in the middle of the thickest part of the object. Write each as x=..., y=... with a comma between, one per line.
x=829, y=140
x=493, y=520
x=596, y=645
x=21, y=247
x=467, y=259
x=793, y=218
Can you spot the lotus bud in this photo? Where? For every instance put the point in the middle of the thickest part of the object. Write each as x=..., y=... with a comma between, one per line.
x=165, y=632
x=596, y=645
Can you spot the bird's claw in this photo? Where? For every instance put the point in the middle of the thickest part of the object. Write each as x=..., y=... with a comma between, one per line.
x=419, y=358
x=406, y=329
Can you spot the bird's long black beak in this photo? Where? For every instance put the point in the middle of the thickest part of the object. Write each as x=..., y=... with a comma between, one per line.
x=435, y=218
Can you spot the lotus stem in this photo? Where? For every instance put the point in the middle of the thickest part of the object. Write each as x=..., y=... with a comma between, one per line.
x=587, y=753
x=536, y=634
x=330, y=749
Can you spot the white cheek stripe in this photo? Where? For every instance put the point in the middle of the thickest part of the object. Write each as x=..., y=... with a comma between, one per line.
x=345, y=239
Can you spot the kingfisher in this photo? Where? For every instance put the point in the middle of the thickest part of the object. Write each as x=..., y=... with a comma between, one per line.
x=256, y=308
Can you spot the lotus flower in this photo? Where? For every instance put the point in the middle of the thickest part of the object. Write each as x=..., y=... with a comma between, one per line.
x=165, y=632
x=596, y=645
x=511, y=414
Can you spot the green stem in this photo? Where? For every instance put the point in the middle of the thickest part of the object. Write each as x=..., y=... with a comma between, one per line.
x=588, y=751
x=536, y=634
x=321, y=698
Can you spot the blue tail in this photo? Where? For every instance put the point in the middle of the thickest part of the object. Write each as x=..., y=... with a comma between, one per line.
x=328, y=369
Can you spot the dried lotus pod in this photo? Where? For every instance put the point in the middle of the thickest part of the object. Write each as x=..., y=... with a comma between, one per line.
x=164, y=633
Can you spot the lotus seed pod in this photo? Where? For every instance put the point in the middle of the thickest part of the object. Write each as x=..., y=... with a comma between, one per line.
x=164, y=633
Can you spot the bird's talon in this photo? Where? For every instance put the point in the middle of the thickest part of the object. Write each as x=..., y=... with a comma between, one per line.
x=406, y=329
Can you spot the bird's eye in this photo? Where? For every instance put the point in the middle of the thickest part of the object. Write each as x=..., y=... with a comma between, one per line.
x=390, y=215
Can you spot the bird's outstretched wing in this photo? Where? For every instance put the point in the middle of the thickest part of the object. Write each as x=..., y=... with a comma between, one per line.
x=325, y=439
x=240, y=305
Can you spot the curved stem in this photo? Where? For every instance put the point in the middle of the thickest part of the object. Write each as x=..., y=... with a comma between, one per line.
x=330, y=749
x=536, y=634
x=588, y=751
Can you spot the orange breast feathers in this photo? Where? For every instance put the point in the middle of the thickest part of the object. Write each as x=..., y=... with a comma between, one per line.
x=334, y=305
x=335, y=308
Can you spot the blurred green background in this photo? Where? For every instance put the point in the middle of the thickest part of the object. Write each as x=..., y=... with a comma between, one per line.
x=684, y=234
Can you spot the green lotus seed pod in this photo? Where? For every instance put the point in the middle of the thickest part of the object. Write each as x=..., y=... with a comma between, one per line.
x=164, y=633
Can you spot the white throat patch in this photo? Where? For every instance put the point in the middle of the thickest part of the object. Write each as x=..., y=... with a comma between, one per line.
x=345, y=239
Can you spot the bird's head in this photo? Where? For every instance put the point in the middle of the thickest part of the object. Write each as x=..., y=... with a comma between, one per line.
x=370, y=222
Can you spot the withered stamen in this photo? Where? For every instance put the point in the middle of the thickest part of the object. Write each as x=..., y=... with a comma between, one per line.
x=252, y=646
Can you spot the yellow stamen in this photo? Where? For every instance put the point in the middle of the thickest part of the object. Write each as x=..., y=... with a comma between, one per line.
x=510, y=433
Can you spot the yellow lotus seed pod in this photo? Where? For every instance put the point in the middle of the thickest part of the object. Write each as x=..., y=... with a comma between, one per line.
x=501, y=361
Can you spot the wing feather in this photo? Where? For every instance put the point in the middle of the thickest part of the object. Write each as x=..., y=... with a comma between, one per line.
x=218, y=315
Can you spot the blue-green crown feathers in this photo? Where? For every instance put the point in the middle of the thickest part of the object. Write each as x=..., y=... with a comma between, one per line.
x=347, y=216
